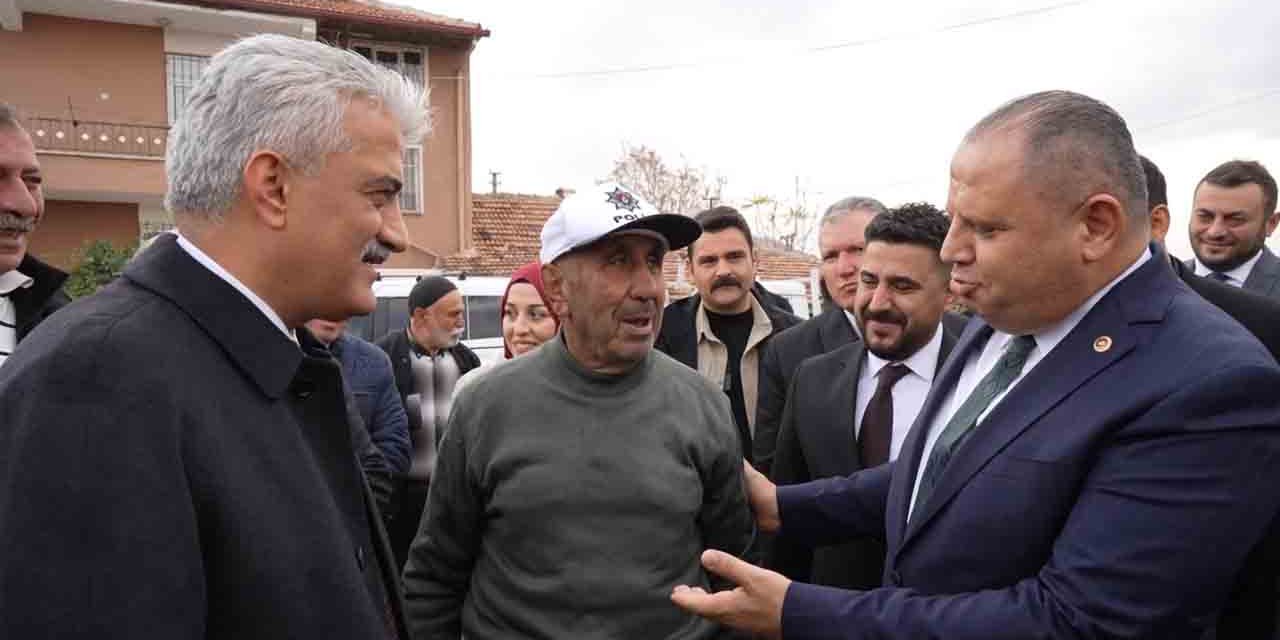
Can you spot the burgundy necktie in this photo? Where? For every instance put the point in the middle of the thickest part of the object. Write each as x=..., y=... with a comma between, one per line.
x=876, y=433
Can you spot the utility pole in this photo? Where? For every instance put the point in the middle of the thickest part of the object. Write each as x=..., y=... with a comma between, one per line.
x=493, y=179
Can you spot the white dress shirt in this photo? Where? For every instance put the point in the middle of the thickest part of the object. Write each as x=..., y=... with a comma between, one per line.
x=909, y=392
x=982, y=362
x=212, y=265
x=1236, y=276
x=10, y=281
x=853, y=322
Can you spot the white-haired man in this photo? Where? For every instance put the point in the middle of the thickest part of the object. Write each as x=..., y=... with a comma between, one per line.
x=175, y=456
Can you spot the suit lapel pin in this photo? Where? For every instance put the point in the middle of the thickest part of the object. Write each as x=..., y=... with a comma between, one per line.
x=1102, y=344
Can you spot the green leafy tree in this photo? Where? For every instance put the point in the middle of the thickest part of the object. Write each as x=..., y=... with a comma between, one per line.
x=99, y=262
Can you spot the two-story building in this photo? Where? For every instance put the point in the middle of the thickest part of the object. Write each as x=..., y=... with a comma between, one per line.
x=98, y=82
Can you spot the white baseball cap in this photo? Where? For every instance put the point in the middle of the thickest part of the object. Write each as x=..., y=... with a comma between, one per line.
x=595, y=212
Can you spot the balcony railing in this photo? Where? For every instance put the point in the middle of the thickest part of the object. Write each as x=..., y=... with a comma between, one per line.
x=107, y=138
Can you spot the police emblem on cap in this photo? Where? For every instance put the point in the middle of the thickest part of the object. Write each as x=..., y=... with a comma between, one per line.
x=622, y=200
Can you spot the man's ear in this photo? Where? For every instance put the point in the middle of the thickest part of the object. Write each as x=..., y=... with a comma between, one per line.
x=265, y=187
x=1159, y=223
x=553, y=283
x=1270, y=224
x=1103, y=225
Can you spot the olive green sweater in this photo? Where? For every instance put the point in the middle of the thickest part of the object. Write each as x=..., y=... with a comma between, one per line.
x=568, y=504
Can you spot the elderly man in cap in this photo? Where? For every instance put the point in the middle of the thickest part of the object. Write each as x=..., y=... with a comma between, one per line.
x=575, y=485
x=427, y=358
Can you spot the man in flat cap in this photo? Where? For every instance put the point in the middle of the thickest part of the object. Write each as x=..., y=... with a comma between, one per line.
x=427, y=357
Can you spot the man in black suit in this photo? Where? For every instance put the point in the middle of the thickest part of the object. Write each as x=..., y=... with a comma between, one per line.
x=840, y=244
x=176, y=452
x=1233, y=213
x=851, y=408
x=1251, y=609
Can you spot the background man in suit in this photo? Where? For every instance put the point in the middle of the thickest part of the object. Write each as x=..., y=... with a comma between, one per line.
x=176, y=457
x=427, y=358
x=841, y=241
x=1258, y=313
x=850, y=409
x=721, y=330
x=1233, y=213
x=1082, y=448
x=30, y=290
x=367, y=372
x=1251, y=610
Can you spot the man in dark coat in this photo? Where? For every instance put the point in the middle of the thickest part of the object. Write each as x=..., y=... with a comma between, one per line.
x=850, y=409
x=721, y=331
x=367, y=371
x=176, y=456
x=427, y=358
x=30, y=290
x=1251, y=609
x=841, y=241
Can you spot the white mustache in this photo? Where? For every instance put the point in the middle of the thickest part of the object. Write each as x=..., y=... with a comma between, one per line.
x=375, y=252
x=15, y=222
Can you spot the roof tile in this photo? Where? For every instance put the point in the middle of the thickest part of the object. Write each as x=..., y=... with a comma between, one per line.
x=506, y=232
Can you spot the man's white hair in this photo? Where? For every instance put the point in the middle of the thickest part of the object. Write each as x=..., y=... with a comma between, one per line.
x=273, y=92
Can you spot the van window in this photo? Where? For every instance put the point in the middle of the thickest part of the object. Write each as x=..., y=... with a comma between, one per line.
x=389, y=315
x=483, y=318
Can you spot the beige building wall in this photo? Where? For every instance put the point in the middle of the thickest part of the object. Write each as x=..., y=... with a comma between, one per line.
x=68, y=226
x=109, y=72
x=444, y=226
x=116, y=73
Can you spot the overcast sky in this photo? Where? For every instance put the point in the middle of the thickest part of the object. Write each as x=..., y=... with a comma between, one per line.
x=856, y=97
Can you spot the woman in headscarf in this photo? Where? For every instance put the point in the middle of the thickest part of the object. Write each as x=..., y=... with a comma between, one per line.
x=527, y=319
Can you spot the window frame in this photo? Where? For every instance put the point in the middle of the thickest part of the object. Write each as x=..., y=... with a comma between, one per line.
x=399, y=48
x=171, y=86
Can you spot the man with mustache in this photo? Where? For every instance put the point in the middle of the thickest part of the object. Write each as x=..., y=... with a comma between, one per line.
x=841, y=241
x=723, y=328
x=850, y=409
x=176, y=453
x=1233, y=213
x=576, y=483
x=427, y=357
x=30, y=290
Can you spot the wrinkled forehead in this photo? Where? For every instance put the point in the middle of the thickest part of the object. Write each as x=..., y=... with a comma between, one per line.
x=845, y=231
x=901, y=259
x=634, y=240
x=17, y=153
x=988, y=166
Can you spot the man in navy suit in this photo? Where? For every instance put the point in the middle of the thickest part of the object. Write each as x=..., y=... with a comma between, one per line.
x=851, y=409
x=1096, y=457
x=1233, y=214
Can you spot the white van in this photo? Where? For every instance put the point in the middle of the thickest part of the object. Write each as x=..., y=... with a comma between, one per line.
x=795, y=292
x=480, y=296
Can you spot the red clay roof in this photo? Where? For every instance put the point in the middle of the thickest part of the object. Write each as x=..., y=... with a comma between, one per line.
x=360, y=11
x=506, y=231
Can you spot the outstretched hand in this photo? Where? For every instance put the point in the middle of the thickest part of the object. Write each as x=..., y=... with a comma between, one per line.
x=762, y=495
x=754, y=606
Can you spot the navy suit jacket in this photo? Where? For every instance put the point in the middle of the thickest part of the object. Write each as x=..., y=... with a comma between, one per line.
x=1265, y=277
x=367, y=371
x=1113, y=493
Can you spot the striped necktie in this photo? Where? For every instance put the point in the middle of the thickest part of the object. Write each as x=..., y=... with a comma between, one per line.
x=1007, y=369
